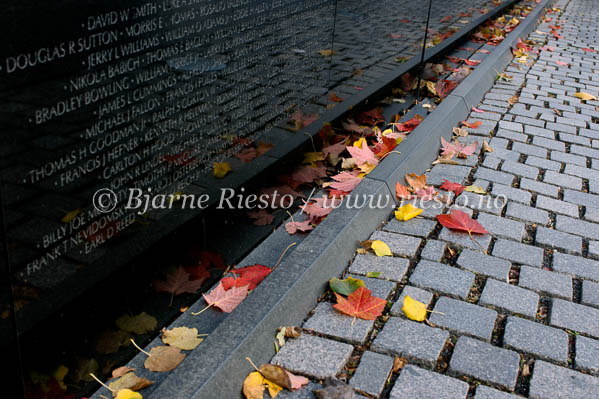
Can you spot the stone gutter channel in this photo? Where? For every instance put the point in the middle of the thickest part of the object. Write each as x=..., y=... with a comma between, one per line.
x=217, y=368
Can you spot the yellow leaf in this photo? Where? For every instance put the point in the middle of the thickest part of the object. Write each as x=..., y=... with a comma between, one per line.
x=487, y=147
x=70, y=215
x=413, y=309
x=221, y=169
x=407, y=212
x=475, y=189
x=128, y=394
x=273, y=389
x=182, y=337
x=380, y=248
x=253, y=386
x=431, y=88
x=366, y=168
x=585, y=96
x=326, y=53
x=59, y=375
x=313, y=157
x=360, y=143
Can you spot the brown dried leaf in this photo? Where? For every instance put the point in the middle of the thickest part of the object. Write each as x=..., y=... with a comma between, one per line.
x=182, y=337
x=164, y=358
x=399, y=363
x=458, y=131
x=292, y=332
x=129, y=381
x=121, y=371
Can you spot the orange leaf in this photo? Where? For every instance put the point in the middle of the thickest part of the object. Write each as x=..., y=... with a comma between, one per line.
x=401, y=192
x=415, y=181
x=472, y=125
x=361, y=304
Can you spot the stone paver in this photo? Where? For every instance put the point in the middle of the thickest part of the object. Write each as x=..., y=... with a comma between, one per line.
x=417, y=383
x=554, y=382
x=518, y=253
x=485, y=362
x=483, y=392
x=587, y=353
x=327, y=320
x=442, y=278
x=546, y=282
x=576, y=265
x=464, y=317
x=399, y=244
x=314, y=356
x=590, y=293
x=412, y=340
x=502, y=227
x=575, y=317
x=537, y=339
x=372, y=373
x=415, y=227
x=510, y=297
x=480, y=263
x=391, y=268
x=433, y=250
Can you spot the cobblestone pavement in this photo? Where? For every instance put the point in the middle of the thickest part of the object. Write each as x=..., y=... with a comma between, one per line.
x=523, y=319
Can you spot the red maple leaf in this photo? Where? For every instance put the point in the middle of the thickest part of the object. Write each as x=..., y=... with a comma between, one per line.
x=457, y=188
x=472, y=62
x=444, y=87
x=372, y=117
x=227, y=300
x=307, y=174
x=178, y=282
x=409, y=125
x=590, y=50
x=249, y=276
x=445, y=19
x=344, y=181
x=455, y=60
x=384, y=145
x=363, y=155
x=361, y=304
x=460, y=221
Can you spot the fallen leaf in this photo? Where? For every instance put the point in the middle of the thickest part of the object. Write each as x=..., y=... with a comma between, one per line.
x=557, y=112
x=407, y=212
x=128, y=394
x=228, y=300
x=70, y=215
x=110, y=341
x=416, y=181
x=513, y=100
x=399, y=363
x=326, y=53
x=261, y=217
x=294, y=227
x=121, y=371
x=138, y=324
x=477, y=110
x=561, y=63
x=475, y=189
x=178, y=283
x=585, y=96
x=129, y=381
x=249, y=276
x=277, y=375
x=83, y=369
x=334, y=389
x=297, y=381
x=361, y=304
x=335, y=98
x=373, y=274
x=445, y=19
x=183, y=338
x=307, y=174
x=246, y=154
x=163, y=358
x=344, y=181
x=461, y=221
x=472, y=125
x=458, y=131
x=414, y=309
x=401, y=192
x=380, y=248
x=472, y=62
x=590, y=50
x=487, y=147
x=254, y=385
x=409, y=125
x=457, y=188
x=363, y=155
x=346, y=286
x=221, y=169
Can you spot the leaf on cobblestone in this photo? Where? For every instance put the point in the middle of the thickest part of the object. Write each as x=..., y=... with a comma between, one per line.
x=475, y=189
x=380, y=248
x=590, y=50
x=255, y=384
x=513, y=100
x=407, y=212
x=346, y=286
x=401, y=192
x=414, y=309
x=415, y=181
x=461, y=132
x=399, y=363
x=361, y=304
x=457, y=188
x=585, y=96
x=487, y=147
x=472, y=125
x=477, y=110
x=561, y=63
x=461, y=221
